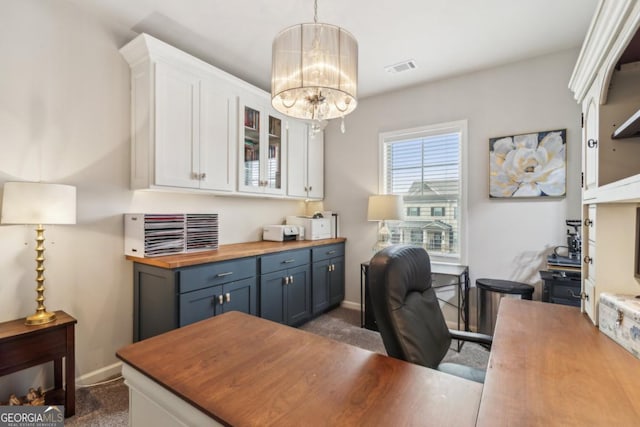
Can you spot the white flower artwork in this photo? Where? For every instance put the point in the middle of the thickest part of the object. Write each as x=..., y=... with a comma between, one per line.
x=528, y=165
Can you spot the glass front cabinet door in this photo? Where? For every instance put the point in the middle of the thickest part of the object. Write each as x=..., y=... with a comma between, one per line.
x=263, y=147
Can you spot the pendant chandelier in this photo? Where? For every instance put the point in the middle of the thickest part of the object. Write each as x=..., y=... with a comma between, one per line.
x=314, y=74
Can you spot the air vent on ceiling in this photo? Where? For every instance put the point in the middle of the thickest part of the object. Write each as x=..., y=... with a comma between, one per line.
x=400, y=67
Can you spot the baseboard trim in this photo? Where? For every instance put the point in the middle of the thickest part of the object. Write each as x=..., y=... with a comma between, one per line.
x=99, y=375
x=350, y=305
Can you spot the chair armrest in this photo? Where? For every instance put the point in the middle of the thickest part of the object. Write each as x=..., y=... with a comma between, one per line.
x=471, y=337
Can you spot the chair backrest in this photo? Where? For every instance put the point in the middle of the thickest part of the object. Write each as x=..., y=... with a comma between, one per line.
x=405, y=306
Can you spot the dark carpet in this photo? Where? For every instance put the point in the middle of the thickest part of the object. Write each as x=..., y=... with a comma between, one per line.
x=107, y=404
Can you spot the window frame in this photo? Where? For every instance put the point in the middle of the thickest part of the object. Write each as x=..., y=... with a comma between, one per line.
x=458, y=126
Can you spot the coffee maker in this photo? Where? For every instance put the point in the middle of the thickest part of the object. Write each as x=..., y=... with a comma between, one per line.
x=574, y=242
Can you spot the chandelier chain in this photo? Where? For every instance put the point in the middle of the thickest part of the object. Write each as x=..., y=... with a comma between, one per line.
x=315, y=11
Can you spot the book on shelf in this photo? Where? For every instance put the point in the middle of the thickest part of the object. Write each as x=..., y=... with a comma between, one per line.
x=275, y=126
x=251, y=118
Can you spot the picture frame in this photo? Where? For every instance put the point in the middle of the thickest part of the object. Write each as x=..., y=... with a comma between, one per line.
x=528, y=165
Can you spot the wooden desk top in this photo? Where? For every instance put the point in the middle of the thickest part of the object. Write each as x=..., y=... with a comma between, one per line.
x=17, y=328
x=234, y=251
x=243, y=370
x=550, y=366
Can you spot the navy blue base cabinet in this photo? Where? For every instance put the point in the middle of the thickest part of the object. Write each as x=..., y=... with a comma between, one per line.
x=167, y=299
x=288, y=287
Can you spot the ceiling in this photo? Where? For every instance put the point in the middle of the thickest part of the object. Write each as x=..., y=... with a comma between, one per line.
x=443, y=37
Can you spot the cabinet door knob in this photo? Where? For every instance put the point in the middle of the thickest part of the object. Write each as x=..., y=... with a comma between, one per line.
x=592, y=143
x=203, y=175
x=227, y=297
x=291, y=279
x=286, y=280
x=588, y=260
x=310, y=187
x=220, y=299
x=588, y=222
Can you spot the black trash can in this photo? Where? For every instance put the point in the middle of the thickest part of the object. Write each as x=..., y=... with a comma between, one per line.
x=490, y=291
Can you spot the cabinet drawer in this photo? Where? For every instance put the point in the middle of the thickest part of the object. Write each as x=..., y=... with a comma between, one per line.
x=566, y=291
x=325, y=252
x=566, y=301
x=202, y=276
x=284, y=260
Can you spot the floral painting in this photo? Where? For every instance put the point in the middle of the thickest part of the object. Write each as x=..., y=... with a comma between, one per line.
x=528, y=165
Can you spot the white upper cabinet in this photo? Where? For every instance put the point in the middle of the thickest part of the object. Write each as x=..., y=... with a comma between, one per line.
x=263, y=147
x=590, y=147
x=197, y=127
x=606, y=81
x=183, y=120
x=218, y=135
x=306, y=162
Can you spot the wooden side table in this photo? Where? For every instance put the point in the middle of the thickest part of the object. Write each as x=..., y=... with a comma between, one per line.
x=23, y=346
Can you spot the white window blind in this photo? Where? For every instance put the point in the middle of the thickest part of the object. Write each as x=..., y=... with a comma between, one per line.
x=425, y=167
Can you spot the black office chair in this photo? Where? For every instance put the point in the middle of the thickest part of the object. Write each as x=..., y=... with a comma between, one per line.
x=408, y=314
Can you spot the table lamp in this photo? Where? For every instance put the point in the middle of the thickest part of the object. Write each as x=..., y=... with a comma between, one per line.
x=383, y=208
x=38, y=203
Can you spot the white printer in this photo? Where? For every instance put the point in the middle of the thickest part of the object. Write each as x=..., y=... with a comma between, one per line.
x=314, y=228
x=281, y=233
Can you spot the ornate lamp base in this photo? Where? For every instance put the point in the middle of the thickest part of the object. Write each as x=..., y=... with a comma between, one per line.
x=41, y=315
x=40, y=318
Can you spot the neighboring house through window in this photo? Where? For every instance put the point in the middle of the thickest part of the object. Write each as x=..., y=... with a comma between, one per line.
x=426, y=166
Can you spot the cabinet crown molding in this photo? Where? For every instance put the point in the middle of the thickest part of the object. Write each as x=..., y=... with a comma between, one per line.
x=606, y=25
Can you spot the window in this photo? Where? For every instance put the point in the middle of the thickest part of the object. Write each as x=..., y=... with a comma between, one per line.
x=426, y=166
x=413, y=211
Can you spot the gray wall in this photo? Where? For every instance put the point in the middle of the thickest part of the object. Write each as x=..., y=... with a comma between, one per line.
x=507, y=239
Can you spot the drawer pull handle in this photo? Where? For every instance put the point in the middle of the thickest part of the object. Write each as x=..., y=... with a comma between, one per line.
x=227, y=297
x=220, y=299
x=572, y=295
x=288, y=261
x=588, y=222
x=592, y=143
x=588, y=260
x=331, y=252
x=228, y=273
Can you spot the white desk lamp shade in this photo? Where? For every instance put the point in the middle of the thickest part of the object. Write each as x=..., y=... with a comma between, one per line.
x=384, y=207
x=38, y=203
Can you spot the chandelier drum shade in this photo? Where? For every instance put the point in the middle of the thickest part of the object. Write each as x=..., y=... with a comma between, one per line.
x=314, y=72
